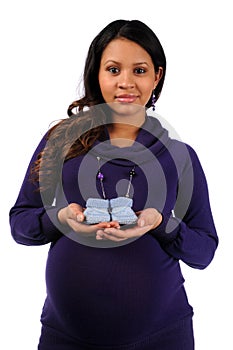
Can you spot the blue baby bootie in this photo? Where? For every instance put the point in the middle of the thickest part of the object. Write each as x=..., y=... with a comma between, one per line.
x=121, y=210
x=97, y=210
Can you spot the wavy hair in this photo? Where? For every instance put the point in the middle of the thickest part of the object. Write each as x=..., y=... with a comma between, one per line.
x=85, y=127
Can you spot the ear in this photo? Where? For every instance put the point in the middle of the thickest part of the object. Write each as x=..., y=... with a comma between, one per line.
x=158, y=76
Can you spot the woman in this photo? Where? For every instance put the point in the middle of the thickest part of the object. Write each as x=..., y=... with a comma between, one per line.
x=111, y=177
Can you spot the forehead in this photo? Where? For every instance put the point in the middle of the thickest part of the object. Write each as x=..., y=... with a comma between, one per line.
x=124, y=49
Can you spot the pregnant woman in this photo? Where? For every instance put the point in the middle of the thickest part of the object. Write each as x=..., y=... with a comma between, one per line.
x=121, y=203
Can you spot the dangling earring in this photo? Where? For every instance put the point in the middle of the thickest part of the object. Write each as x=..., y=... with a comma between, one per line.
x=153, y=100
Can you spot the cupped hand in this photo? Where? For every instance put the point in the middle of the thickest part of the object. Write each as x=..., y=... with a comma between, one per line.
x=148, y=219
x=73, y=216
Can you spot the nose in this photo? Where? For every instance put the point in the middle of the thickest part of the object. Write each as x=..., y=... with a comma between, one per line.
x=126, y=80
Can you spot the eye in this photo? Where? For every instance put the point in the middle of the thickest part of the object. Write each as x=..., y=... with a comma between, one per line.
x=139, y=70
x=113, y=70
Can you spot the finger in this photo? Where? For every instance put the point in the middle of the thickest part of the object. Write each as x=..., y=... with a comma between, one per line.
x=76, y=212
x=99, y=238
x=135, y=231
x=150, y=220
x=115, y=224
x=80, y=217
x=118, y=235
x=100, y=235
x=141, y=222
x=147, y=217
x=82, y=228
x=75, y=207
x=113, y=238
x=115, y=232
x=103, y=225
x=145, y=222
x=121, y=235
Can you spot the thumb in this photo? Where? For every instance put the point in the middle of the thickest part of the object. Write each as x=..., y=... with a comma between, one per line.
x=149, y=217
x=141, y=221
x=77, y=211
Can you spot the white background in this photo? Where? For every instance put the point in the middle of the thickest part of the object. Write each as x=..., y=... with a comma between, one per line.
x=43, y=49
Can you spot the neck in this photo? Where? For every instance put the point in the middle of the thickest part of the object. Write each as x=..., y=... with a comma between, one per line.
x=122, y=135
x=124, y=129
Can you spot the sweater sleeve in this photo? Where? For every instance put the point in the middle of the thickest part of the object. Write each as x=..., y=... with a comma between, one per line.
x=31, y=221
x=189, y=234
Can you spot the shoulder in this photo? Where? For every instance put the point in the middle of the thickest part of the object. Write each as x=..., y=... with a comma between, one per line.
x=184, y=156
x=182, y=148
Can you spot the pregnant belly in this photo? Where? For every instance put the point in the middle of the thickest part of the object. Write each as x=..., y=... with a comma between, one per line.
x=98, y=294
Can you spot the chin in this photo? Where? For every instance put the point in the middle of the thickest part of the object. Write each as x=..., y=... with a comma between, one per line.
x=126, y=109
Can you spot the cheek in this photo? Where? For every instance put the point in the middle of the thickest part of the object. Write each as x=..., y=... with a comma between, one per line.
x=106, y=87
x=147, y=90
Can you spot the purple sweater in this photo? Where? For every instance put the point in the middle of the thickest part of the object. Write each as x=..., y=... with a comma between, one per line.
x=121, y=294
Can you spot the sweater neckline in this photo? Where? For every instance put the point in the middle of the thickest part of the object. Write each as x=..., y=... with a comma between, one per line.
x=151, y=140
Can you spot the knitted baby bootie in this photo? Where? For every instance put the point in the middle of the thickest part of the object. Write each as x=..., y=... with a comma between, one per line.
x=97, y=210
x=121, y=210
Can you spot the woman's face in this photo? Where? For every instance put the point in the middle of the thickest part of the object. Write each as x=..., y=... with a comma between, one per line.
x=127, y=74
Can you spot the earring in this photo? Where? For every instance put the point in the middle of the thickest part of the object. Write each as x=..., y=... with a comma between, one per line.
x=153, y=100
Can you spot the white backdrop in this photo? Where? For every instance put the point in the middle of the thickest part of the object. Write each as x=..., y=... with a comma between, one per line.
x=43, y=49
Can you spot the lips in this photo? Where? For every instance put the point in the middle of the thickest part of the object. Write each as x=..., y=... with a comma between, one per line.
x=126, y=98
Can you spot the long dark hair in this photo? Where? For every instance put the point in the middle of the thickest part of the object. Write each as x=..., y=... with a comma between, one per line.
x=79, y=120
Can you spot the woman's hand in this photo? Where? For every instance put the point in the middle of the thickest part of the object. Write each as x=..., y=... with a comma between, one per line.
x=73, y=216
x=148, y=219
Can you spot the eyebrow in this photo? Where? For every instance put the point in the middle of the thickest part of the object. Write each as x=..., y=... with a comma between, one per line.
x=135, y=64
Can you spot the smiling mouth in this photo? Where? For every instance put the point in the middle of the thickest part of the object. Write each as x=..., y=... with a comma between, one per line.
x=126, y=98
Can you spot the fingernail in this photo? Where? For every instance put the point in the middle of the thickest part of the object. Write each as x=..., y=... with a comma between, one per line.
x=99, y=238
x=79, y=217
x=142, y=223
